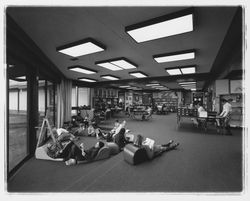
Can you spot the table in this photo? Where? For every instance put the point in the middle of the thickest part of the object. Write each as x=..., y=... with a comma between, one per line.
x=204, y=120
x=137, y=113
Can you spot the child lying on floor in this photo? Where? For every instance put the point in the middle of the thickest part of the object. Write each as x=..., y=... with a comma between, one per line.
x=151, y=148
x=77, y=155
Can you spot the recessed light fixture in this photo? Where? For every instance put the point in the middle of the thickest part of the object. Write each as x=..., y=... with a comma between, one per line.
x=86, y=79
x=193, y=89
x=123, y=63
x=82, y=47
x=158, y=86
x=81, y=69
x=21, y=78
x=188, y=70
x=110, y=77
x=109, y=66
x=183, y=83
x=175, y=71
x=181, y=70
x=117, y=64
x=153, y=84
x=138, y=74
x=124, y=86
x=174, y=56
x=163, y=26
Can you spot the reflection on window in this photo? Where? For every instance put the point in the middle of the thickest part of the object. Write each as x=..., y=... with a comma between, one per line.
x=17, y=122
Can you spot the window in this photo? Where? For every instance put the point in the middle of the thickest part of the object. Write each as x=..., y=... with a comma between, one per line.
x=17, y=133
x=83, y=96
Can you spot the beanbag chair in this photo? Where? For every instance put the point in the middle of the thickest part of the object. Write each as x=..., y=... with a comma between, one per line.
x=134, y=155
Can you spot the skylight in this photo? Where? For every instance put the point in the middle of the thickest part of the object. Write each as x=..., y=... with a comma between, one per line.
x=163, y=26
x=80, y=48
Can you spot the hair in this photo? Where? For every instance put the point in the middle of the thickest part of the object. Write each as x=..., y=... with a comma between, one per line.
x=138, y=141
x=224, y=100
x=101, y=144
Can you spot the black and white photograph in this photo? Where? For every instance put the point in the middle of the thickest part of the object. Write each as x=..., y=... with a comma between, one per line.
x=124, y=99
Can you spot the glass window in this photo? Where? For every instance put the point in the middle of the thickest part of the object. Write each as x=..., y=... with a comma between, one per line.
x=41, y=100
x=17, y=122
x=83, y=96
x=51, y=102
x=74, y=100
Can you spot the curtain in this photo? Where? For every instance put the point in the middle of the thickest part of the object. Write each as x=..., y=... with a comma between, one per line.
x=64, y=93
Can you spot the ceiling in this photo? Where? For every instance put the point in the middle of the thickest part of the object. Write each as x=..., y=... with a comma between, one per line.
x=51, y=27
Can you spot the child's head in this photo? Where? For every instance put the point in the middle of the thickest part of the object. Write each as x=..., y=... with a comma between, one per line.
x=117, y=123
x=138, y=141
x=99, y=144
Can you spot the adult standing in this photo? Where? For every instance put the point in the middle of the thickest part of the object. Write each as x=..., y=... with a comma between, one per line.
x=226, y=114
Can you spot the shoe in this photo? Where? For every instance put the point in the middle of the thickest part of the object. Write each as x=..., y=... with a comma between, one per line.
x=168, y=144
x=176, y=145
x=70, y=162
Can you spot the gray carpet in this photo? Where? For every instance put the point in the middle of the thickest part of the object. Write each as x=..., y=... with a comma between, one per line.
x=204, y=162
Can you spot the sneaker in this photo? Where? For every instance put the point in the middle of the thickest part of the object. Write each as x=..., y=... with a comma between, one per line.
x=176, y=145
x=70, y=162
x=168, y=144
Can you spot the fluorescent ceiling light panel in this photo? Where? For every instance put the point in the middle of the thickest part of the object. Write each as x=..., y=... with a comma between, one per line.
x=82, y=47
x=123, y=64
x=153, y=84
x=110, y=77
x=175, y=71
x=161, y=27
x=181, y=83
x=124, y=86
x=21, y=78
x=82, y=70
x=157, y=86
x=109, y=66
x=117, y=64
x=138, y=74
x=191, y=86
x=174, y=57
x=188, y=70
x=86, y=80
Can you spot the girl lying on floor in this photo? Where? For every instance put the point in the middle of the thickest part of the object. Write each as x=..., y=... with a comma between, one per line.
x=151, y=148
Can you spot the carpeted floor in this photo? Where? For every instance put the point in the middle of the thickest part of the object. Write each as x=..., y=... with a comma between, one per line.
x=204, y=162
